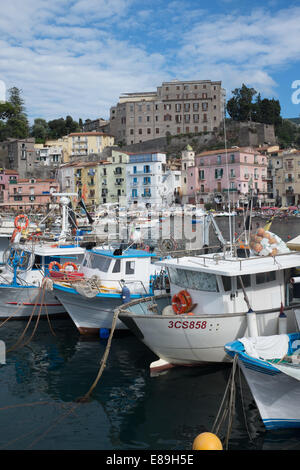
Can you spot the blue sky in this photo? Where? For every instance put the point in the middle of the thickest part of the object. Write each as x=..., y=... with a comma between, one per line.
x=77, y=57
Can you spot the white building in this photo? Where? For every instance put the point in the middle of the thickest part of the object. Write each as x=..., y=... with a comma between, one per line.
x=65, y=176
x=144, y=182
x=49, y=156
x=187, y=161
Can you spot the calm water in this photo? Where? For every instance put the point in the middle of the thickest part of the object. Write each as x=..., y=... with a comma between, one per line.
x=129, y=410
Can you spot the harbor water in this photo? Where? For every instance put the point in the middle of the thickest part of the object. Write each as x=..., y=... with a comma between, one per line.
x=49, y=369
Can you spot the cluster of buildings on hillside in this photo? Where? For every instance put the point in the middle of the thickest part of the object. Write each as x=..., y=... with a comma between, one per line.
x=92, y=163
x=267, y=174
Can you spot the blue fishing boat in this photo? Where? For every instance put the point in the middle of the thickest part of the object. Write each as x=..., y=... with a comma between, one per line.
x=271, y=366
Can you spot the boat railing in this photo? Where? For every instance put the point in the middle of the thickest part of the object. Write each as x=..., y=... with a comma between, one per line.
x=230, y=259
x=101, y=284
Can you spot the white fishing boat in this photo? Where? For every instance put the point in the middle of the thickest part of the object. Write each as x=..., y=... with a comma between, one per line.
x=214, y=298
x=27, y=261
x=109, y=277
x=271, y=366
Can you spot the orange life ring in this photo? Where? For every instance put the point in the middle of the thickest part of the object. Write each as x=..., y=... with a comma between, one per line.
x=181, y=302
x=21, y=216
x=69, y=263
x=54, y=263
x=14, y=235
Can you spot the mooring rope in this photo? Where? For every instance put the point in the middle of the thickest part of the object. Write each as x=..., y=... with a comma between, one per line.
x=103, y=360
x=28, y=323
x=243, y=406
x=38, y=318
x=227, y=408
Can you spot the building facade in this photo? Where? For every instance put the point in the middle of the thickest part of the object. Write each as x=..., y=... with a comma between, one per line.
x=98, y=125
x=287, y=178
x=19, y=155
x=177, y=107
x=236, y=173
x=187, y=161
x=145, y=175
x=82, y=144
x=27, y=194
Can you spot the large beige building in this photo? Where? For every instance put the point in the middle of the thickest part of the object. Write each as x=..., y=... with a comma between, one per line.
x=177, y=107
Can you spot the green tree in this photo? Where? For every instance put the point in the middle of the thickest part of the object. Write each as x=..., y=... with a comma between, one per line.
x=40, y=130
x=240, y=106
x=287, y=133
x=246, y=104
x=17, y=124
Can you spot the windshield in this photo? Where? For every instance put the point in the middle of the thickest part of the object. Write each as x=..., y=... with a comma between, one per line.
x=193, y=279
x=99, y=262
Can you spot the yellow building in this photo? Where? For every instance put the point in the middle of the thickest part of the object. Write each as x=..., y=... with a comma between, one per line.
x=80, y=144
x=86, y=182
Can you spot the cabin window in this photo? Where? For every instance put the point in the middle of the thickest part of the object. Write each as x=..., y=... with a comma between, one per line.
x=226, y=283
x=129, y=269
x=193, y=279
x=246, y=281
x=100, y=262
x=117, y=266
x=262, y=278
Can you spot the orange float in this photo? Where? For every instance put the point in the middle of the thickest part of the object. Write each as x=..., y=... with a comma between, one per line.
x=69, y=263
x=181, y=302
x=54, y=263
x=21, y=216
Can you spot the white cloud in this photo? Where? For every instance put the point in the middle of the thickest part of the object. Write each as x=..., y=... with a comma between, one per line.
x=244, y=48
x=77, y=56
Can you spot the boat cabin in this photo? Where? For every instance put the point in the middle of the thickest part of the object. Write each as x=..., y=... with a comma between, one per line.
x=111, y=266
x=32, y=265
x=217, y=283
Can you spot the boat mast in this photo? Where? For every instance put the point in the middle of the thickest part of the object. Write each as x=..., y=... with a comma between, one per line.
x=64, y=201
x=228, y=189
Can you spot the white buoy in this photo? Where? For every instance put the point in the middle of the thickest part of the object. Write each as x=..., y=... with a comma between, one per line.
x=252, y=324
x=168, y=310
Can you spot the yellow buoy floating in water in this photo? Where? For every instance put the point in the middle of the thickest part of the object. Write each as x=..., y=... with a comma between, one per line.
x=207, y=441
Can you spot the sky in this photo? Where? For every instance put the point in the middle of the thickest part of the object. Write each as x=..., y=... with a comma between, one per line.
x=76, y=57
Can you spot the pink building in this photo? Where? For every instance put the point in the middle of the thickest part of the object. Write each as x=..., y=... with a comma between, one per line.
x=7, y=177
x=235, y=171
x=25, y=194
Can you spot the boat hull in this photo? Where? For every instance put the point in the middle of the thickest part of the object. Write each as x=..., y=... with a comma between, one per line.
x=22, y=302
x=192, y=339
x=277, y=397
x=90, y=314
